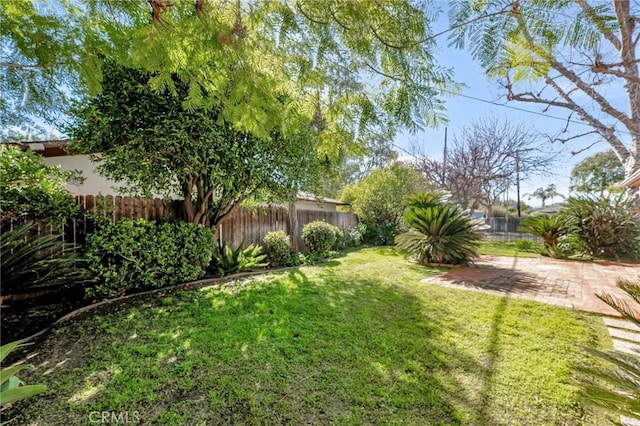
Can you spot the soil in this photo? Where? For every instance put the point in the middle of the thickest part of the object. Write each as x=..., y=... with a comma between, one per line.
x=23, y=318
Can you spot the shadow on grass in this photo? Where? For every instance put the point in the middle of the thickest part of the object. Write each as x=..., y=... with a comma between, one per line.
x=333, y=348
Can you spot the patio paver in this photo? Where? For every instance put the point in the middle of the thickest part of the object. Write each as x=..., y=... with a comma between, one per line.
x=560, y=282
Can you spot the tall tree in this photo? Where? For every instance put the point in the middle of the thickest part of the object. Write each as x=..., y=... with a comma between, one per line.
x=544, y=194
x=597, y=173
x=484, y=160
x=348, y=67
x=153, y=143
x=578, y=56
x=378, y=200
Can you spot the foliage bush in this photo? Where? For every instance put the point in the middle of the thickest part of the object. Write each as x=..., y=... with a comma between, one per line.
x=319, y=236
x=12, y=389
x=277, y=247
x=351, y=237
x=30, y=260
x=32, y=189
x=439, y=233
x=227, y=261
x=550, y=229
x=130, y=255
x=380, y=234
x=607, y=227
x=341, y=238
x=617, y=387
x=524, y=244
x=377, y=200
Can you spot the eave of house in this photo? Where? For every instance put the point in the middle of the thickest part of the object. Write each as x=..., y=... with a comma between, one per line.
x=633, y=180
x=50, y=148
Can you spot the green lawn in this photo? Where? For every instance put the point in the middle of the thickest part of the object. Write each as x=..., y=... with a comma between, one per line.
x=506, y=248
x=358, y=340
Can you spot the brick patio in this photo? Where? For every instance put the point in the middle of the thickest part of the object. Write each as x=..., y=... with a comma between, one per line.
x=567, y=283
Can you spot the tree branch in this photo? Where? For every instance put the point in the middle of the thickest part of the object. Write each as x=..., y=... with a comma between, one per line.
x=392, y=77
x=589, y=13
x=606, y=132
x=585, y=149
x=30, y=66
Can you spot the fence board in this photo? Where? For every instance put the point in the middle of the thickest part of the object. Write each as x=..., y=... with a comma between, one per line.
x=242, y=226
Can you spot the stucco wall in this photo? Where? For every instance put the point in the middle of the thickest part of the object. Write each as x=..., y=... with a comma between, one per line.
x=313, y=205
x=94, y=184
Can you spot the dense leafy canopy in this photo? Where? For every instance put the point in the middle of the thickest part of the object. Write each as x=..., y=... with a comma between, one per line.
x=377, y=200
x=597, y=173
x=155, y=144
x=32, y=189
x=349, y=67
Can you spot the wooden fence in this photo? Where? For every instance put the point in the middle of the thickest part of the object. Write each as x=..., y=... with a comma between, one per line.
x=243, y=226
x=131, y=207
x=247, y=226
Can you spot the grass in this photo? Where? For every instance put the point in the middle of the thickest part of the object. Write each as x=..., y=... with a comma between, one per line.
x=507, y=248
x=359, y=340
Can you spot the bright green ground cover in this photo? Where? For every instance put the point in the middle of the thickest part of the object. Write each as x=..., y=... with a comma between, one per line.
x=358, y=340
x=506, y=248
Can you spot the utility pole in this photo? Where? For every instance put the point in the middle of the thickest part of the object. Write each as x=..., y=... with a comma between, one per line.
x=444, y=159
x=518, y=182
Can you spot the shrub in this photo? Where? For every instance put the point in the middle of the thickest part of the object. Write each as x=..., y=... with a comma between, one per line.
x=549, y=228
x=355, y=237
x=440, y=233
x=377, y=200
x=380, y=234
x=340, y=238
x=616, y=388
x=12, y=389
x=524, y=244
x=227, y=261
x=34, y=190
x=128, y=255
x=30, y=260
x=319, y=236
x=608, y=228
x=277, y=247
x=350, y=238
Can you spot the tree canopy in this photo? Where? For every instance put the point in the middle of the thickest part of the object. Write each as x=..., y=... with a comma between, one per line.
x=580, y=57
x=347, y=67
x=32, y=189
x=378, y=199
x=597, y=173
x=154, y=143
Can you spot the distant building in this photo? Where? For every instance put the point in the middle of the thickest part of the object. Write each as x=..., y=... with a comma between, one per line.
x=548, y=210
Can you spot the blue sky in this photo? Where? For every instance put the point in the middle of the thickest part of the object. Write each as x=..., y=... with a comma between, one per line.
x=461, y=111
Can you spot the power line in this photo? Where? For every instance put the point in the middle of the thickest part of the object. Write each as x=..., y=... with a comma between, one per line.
x=542, y=114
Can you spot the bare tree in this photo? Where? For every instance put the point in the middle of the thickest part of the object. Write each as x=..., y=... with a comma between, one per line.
x=579, y=56
x=485, y=159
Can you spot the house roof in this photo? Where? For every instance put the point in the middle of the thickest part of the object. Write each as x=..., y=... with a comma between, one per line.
x=48, y=148
x=633, y=180
x=552, y=209
x=308, y=196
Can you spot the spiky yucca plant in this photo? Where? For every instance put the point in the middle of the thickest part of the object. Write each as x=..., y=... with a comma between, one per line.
x=227, y=261
x=30, y=260
x=608, y=227
x=549, y=228
x=439, y=232
x=616, y=389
